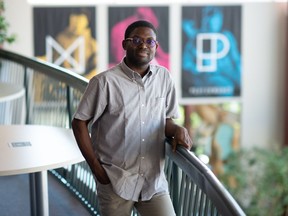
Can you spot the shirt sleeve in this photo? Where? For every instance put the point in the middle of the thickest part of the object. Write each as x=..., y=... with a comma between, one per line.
x=172, y=106
x=93, y=101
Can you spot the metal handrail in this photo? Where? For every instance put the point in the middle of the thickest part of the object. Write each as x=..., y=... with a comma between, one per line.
x=62, y=74
x=205, y=180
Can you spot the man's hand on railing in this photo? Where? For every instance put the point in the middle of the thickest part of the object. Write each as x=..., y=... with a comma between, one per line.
x=181, y=137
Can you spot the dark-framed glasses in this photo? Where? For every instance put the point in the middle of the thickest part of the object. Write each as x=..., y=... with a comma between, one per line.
x=150, y=42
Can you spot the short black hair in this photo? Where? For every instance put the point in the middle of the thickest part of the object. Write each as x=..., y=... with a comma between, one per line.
x=136, y=24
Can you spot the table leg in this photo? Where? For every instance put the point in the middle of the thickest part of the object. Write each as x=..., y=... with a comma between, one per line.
x=39, y=201
x=33, y=205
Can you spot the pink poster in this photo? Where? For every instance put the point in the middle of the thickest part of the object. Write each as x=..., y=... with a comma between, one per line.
x=121, y=17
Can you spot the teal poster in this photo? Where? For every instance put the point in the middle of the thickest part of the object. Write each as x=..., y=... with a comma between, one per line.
x=211, y=51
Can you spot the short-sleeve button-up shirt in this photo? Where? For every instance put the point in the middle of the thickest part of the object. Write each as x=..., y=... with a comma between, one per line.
x=128, y=115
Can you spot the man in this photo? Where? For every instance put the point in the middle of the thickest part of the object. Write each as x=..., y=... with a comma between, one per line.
x=130, y=109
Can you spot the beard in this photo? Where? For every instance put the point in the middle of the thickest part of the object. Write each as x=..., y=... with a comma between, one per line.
x=138, y=59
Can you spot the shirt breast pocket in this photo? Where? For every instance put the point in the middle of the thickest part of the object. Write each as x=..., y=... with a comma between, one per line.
x=158, y=105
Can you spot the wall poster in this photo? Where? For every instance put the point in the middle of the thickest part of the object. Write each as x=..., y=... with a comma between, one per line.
x=121, y=17
x=65, y=36
x=211, y=51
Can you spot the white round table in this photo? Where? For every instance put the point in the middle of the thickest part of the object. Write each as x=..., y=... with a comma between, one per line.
x=10, y=91
x=34, y=149
x=12, y=103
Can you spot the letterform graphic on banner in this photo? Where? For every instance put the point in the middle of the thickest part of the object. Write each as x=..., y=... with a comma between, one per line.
x=211, y=58
x=65, y=36
x=121, y=17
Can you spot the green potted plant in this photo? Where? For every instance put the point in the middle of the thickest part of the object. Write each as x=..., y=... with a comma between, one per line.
x=4, y=25
x=258, y=180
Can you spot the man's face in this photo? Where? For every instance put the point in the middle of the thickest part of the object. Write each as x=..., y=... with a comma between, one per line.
x=140, y=46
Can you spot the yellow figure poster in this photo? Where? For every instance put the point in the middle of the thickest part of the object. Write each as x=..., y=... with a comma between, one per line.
x=65, y=36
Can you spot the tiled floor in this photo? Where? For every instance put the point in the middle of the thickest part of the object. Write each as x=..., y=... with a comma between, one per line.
x=15, y=201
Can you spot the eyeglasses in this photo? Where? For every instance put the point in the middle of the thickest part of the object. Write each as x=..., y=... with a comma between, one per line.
x=137, y=41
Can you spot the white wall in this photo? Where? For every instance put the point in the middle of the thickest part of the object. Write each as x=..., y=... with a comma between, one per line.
x=19, y=15
x=263, y=73
x=263, y=55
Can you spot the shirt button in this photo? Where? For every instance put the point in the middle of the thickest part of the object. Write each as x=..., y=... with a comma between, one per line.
x=143, y=122
x=142, y=105
x=143, y=140
x=141, y=174
x=142, y=158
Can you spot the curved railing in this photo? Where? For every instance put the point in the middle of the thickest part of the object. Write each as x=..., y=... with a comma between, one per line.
x=52, y=96
x=209, y=195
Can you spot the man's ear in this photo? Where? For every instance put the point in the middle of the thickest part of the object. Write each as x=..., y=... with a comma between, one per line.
x=157, y=46
x=124, y=44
